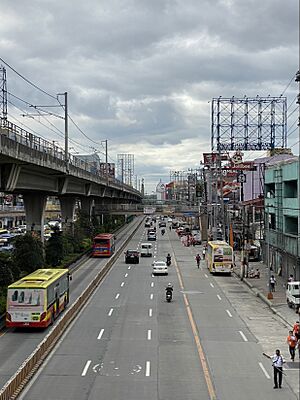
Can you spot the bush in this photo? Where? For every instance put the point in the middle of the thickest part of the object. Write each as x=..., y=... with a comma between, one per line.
x=28, y=253
x=54, y=248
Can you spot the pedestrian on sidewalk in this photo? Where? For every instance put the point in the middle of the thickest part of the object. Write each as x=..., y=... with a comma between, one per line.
x=203, y=253
x=292, y=342
x=198, y=258
x=272, y=283
x=277, y=362
x=296, y=329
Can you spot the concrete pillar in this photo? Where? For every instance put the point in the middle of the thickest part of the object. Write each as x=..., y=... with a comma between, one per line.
x=87, y=204
x=67, y=206
x=35, y=205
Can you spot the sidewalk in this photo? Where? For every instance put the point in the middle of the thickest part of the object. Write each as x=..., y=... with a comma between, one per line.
x=260, y=288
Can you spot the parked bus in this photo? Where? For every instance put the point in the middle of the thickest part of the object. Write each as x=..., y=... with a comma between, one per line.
x=219, y=257
x=37, y=299
x=103, y=245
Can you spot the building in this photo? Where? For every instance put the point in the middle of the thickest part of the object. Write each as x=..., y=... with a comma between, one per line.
x=160, y=191
x=281, y=216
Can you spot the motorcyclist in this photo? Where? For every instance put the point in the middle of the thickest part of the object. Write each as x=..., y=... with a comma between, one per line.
x=162, y=231
x=169, y=288
x=168, y=259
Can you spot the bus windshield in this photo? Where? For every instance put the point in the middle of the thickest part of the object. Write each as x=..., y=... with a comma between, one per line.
x=24, y=297
x=101, y=241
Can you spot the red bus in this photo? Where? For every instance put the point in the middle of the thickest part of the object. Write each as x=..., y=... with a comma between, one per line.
x=103, y=245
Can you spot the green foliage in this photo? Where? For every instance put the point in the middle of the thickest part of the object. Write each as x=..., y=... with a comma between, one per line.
x=28, y=253
x=2, y=300
x=54, y=248
x=7, y=273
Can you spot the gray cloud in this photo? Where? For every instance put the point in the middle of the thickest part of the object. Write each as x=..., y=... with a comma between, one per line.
x=141, y=72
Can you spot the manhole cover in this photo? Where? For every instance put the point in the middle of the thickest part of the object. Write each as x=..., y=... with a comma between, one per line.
x=292, y=365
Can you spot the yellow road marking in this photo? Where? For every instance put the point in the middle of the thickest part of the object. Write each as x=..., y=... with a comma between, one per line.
x=209, y=384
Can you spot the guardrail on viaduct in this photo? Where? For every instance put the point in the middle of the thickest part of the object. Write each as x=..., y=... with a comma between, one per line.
x=17, y=143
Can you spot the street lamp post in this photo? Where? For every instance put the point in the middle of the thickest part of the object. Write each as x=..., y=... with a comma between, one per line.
x=270, y=294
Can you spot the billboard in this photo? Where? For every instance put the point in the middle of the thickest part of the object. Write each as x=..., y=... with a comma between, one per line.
x=110, y=167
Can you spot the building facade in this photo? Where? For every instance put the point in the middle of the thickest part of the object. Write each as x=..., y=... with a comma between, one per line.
x=281, y=217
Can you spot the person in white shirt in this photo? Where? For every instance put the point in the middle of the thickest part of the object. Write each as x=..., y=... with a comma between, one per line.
x=277, y=362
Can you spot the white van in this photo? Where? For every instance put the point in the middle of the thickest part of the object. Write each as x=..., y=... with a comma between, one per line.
x=146, y=250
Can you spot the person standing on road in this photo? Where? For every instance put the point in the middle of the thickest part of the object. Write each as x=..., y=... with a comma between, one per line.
x=198, y=258
x=296, y=329
x=277, y=362
x=292, y=342
x=272, y=283
x=203, y=253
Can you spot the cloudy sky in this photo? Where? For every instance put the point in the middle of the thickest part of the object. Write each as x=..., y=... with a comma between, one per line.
x=141, y=73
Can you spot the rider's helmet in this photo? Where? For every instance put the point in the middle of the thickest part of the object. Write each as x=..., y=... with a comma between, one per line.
x=170, y=285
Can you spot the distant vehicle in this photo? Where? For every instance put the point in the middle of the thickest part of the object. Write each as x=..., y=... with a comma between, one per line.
x=162, y=224
x=103, y=245
x=147, y=224
x=151, y=235
x=132, y=256
x=293, y=295
x=170, y=220
x=254, y=253
x=3, y=232
x=197, y=239
x=159, y=268
x=146, y=250
x=219, y=257
x=37, y=299
x=6, y=243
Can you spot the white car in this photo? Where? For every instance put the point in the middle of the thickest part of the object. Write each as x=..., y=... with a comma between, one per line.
x=159, y=268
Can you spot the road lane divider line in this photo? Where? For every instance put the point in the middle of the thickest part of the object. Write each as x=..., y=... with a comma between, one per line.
x=229, y=313
x=129, y=267
x=149, y=334
x=211, y=284
x=148, y=368
x=264, y=370
x=243, y=336
x=151, y=296
x=86, y=367
x=122, y=284
x=219, y=297
x=100, y=334
x=110, y=312
x=206, y=372
x=117, y=296
x=152, y=284
x=126, y=275
x=206, y=276
x=150, y=312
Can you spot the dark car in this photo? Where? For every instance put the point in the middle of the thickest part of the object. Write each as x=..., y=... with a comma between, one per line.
x=132, y=256
x=162, y=224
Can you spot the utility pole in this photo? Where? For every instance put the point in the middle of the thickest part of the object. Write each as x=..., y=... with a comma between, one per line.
x=270, y=295
x=297, y=79
x=3, y=88
x=65, y=94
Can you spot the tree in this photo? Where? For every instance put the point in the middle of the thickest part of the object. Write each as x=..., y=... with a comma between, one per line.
x=28, y=253
x=6, y=270
x=54, y=248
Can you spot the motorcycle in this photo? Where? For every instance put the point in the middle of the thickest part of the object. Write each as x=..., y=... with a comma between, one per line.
x=168, y=295
x=162, y=232
x=168, y=262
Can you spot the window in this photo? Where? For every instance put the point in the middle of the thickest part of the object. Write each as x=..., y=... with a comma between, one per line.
x=291, y=225
x=290, y=189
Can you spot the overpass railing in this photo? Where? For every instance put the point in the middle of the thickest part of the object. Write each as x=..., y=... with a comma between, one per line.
x=25, y=138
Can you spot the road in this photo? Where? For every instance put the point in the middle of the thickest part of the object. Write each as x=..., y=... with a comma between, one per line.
x=129, y=343
x=17, y=344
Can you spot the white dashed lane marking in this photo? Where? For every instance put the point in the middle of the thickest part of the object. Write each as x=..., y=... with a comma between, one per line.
x=264, y=370
x=219, y=297
x=229, y=313
x=100, y=334
x=243, y=336
x=110, y=312
x=85, y=369
x=148, y=368
x=117, y=296
x=150, y=312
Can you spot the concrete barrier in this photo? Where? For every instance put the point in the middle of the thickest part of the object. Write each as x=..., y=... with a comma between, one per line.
x=17, y=382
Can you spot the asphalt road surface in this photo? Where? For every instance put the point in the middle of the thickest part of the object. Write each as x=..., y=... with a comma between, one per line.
x=129, y=343
x=17, y=344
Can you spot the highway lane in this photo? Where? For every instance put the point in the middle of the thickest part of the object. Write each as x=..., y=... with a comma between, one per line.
x=129, y=343
x=17, y=344
x=136, y=346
